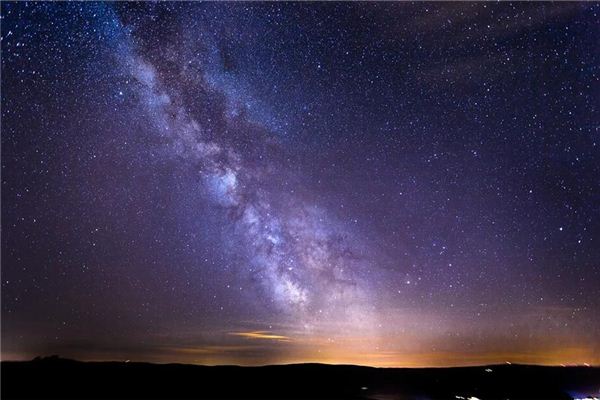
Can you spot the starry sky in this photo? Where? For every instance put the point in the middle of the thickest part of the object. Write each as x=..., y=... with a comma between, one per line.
x=388, y=184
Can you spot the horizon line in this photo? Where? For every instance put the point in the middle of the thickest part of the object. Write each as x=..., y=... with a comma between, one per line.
x=53, y=357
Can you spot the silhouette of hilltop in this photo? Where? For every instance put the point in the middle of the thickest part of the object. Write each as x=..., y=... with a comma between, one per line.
x=57, y=378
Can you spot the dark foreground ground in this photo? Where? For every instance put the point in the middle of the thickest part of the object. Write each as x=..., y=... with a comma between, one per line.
x=66, y=379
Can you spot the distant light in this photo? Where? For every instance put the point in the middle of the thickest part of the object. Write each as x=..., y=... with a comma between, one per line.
x=363, y=388
x=488, y=370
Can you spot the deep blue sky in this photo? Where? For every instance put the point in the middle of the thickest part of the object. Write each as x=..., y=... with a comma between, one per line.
x=378, y=183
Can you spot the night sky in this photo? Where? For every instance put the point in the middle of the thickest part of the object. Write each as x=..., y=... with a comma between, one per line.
x=389, y=184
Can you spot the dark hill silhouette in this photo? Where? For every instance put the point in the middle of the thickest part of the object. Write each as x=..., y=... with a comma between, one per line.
x=54, y=377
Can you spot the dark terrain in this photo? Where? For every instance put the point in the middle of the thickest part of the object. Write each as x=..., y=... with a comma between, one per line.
x=67, y=379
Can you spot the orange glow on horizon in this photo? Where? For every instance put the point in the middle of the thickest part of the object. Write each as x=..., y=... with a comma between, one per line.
x=253, y=355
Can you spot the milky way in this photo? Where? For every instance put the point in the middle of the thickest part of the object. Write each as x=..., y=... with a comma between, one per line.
x=376, y=183
x=294, y=249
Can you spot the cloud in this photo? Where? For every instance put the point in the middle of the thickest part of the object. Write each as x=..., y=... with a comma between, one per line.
x=262, y=335
x=200, y=350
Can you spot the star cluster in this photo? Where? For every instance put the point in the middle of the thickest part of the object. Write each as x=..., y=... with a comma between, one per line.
x=375, y=183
